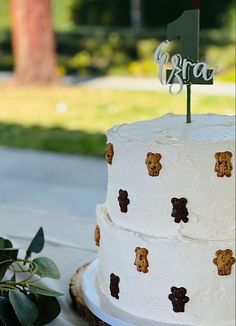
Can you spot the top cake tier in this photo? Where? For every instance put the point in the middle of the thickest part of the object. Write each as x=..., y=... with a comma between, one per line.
x=167, y=178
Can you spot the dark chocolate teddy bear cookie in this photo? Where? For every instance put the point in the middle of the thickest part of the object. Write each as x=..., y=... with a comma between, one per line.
x=179, y=211
x=123, y=200
x=178, y=298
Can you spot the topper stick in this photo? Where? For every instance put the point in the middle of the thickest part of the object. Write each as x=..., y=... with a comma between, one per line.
x=186, y=27
x=188, y=117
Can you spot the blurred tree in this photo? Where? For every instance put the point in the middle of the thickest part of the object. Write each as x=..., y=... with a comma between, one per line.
x=229, y=21
x=101, y=12
x=33, y=41
x=136, y=14
x=4, y=15
x=61, y=14
x=155, y=13
x=160, y=13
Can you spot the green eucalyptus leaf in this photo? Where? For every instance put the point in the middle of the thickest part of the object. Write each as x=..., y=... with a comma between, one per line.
x=36, y=244
x=49, y=309
x=46, y=268
x=7, y=314
x=7, y=256
x=36, y=289
x=5, y=243
x=25, y=309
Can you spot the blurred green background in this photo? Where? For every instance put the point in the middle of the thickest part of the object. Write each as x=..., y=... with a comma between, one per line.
x=96, y=38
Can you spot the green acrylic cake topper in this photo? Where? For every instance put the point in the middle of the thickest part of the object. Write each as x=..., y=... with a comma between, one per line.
x=186, y=67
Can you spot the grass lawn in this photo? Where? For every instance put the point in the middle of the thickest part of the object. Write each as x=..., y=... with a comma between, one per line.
x=74, y=119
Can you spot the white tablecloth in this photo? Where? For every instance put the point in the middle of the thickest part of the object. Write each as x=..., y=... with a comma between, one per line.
x=69, y=242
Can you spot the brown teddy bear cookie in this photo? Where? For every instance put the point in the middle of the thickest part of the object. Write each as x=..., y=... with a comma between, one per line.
x=178, y=298
x=114, y=286
x=97, y=235
x=224, y=261
x=123, y=201
x=141, y=260
x=153, y=164
x=179, y=211
x=109, y=153
x=223, y=166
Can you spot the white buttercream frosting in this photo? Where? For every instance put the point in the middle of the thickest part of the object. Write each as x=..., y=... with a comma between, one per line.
x=188, y=160
x=172, y=129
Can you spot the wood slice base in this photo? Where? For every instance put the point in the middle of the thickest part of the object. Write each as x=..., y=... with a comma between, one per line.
x=78, y=301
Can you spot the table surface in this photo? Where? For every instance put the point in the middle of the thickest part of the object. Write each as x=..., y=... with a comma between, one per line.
x=69, y=242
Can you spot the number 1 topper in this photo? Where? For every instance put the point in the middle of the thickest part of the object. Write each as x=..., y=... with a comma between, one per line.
x=186, y=27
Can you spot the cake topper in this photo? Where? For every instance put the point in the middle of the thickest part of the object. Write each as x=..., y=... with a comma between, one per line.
x=186, y=67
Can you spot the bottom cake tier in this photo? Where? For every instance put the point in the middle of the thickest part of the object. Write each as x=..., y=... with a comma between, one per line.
x=173, y=280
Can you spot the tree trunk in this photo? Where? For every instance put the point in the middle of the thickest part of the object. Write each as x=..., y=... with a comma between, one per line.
x=33, y=42
x=136, y=14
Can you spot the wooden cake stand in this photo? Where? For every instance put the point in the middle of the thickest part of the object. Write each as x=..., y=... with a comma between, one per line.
x=78, y=301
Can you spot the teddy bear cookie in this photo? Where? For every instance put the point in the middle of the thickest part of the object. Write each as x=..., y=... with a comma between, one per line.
x=223, y=166
x=97, y=235
x=153, y=164
x=224, y=261
x=114, y=286
x=123, y=201
x=178, y=298
x=109, y=153
x=141, y=260
x=179, y=211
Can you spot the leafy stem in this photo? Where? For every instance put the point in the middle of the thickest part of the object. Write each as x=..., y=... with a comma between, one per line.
x=25, y=298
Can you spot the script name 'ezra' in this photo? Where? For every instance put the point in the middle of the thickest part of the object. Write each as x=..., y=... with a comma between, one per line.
x=182, y=69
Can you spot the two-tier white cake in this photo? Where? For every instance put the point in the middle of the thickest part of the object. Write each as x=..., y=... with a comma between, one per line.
x=166, y=231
